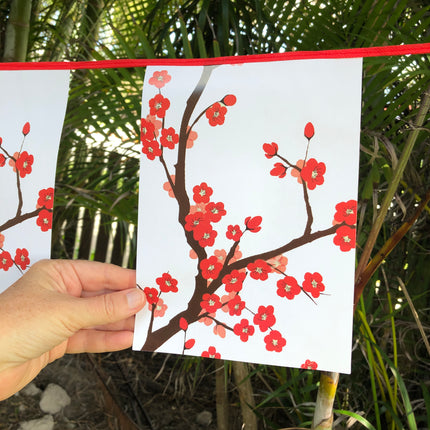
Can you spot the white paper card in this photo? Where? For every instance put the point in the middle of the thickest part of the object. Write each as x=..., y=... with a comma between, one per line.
x=32, y=108
x=247, y=211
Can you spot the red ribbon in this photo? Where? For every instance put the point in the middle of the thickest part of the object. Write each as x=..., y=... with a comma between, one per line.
x=376, y=51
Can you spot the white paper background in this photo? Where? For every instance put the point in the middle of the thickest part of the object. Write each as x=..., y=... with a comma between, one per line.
x=40, y=98
x=274, y=103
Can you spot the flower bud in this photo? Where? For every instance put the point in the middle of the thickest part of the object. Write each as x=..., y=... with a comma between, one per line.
x=26, y=128
x=309, y=130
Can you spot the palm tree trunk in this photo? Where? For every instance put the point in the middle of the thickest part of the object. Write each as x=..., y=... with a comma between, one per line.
x=17, y=31
x=221, y=396
x=246, y=395
x=323, y=415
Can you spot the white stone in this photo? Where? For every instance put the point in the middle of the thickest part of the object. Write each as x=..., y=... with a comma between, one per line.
x=45, y=423
x=31, y=390
x=204, y=418
x=54, y=398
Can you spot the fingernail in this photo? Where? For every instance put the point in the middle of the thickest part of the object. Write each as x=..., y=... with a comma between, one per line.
x=134, y=299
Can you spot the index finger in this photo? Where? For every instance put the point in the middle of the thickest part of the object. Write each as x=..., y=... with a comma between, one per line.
x=96, y=276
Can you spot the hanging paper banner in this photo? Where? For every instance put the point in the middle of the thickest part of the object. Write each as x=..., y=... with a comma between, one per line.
x=32, y=109
x=247, y=211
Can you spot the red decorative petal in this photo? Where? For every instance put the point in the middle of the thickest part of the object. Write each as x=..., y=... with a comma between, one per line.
x=183, y=324
x=309, y=130
x=189, y=343
x=26, y=129
x=229, y=100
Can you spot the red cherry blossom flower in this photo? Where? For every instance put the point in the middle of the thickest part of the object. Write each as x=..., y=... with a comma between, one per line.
x=159, y=79
x=196, y=220
x=156, y=123
x=234, y=232
x=210, y=267
x=167, y=187
x=210, y=302
x=309, y=130
x=21, y=258
x=253, y=224
x=270, y=149
x=234, y=281
x=206, y=320
x=235, y=306
x=345, y=238
x=192, y=136
x=46, y=198
x=169, y=138
x=151, y=295
x=189, y=343
x=211, y=353
x=215, y=211
x=310, y=365
x=158, y=106
x=313, y=284
x=279, y=170
x=280, y=263
x=313, y=173
x=221, y=255
x=346, y=212
x=296, y=173
x=1, y=240
x=216, y=114
x=225, y=299
x=167, y=283
x=288, y=287
x=199, y=207
x=205, y=235
x=5, y=261
x=259, y=269
x=202, y=193
x=147, y=130
x=2, y=160
x=219, y=330
x=26, y=129
x=12, y=162
x=24, y=163
x=160, y=308
x=229, y=100
x=151, y=149
x=265, y=318
x=274, y=341
x=243, y=330
x=44, y=220
x=183, y=324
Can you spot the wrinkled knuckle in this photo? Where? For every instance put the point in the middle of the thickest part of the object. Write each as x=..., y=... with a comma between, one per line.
x=109, y=307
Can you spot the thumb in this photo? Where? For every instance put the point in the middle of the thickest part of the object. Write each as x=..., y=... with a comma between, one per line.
x=107, y=308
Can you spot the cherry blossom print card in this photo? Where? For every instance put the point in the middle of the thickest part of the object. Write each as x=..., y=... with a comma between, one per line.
x=32, y=108
x=247, y=211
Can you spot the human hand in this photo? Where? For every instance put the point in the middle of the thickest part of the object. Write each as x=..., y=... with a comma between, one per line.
x=64, y=306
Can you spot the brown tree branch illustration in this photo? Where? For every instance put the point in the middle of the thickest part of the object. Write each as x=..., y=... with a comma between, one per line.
x=310, y=217
x=18, y=180
x=220, y=323
x=191, y=313
x=180, y=191
x=20, y=199
x=202, y=286
x=21, y=218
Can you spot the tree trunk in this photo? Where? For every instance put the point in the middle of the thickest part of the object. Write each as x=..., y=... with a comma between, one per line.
x=221, y=396
x=323, y=415
x=17, y=31
x=246, y=395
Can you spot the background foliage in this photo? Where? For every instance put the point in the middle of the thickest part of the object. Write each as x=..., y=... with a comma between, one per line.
x=98, y=160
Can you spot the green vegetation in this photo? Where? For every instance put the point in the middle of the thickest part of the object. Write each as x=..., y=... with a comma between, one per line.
x=389, y=387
